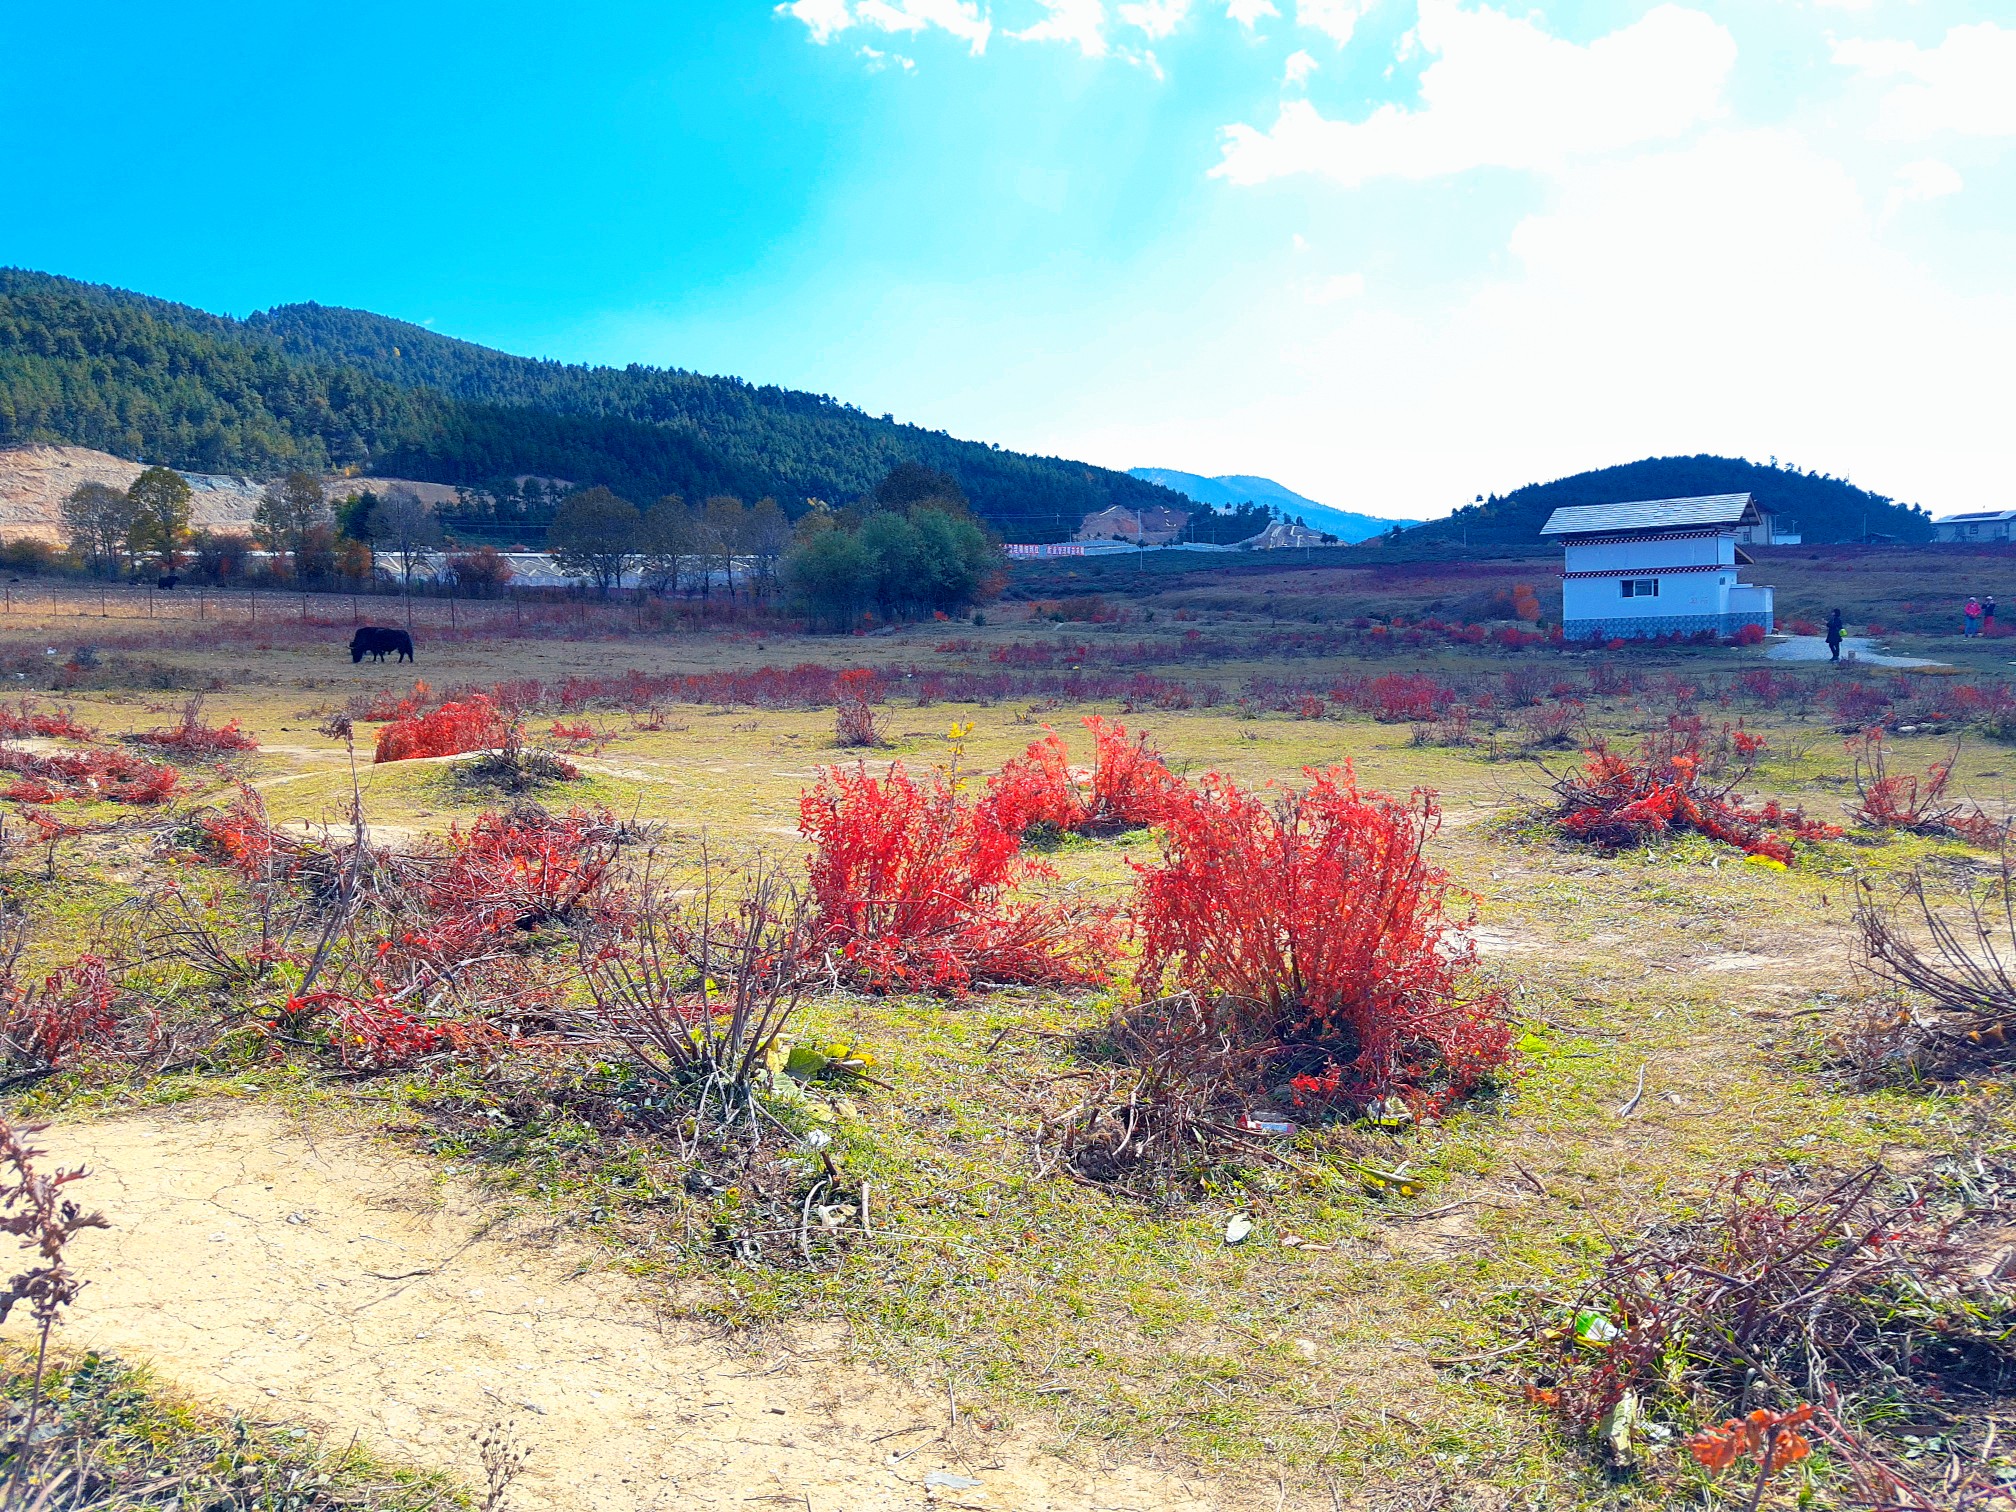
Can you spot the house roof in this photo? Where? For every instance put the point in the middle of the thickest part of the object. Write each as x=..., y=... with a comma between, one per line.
x=1652, y=514
x=1978, y=517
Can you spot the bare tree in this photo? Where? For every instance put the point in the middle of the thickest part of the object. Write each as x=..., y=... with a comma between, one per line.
x=401, y=523
x=595, y=535
x=667, y=537
x=721, y=527
x=767, y=533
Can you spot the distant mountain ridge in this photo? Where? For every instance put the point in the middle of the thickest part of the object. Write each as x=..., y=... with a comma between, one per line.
x=1234, y=489
x=1822, y=509
x=307, y=386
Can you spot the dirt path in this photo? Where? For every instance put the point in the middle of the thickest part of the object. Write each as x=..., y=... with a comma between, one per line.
x=302, y=1274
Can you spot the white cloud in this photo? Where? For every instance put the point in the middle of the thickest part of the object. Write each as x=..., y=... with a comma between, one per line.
x=1078, y=21
x=1503, y=93
x=824, y=17
x=878, y=60
x=1336, y=19
x=1926, y=179
x=1732, y=294
x=1929, y=179
x=1967, y=84
x=1158, y=18
x=1339, y=286
x=1250, y=13
x=1300, y=66
x=960, y=18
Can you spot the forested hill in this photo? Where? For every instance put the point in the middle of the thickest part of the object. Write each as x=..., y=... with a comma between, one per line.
x=1820, y=508
x=305, y=386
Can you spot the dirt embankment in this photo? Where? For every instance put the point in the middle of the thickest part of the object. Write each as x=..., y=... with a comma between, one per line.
x=35, y=480
x=319, y=1277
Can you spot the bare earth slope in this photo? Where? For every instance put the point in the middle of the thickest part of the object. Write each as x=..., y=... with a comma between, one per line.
x=317, y=1276
x=34, y=481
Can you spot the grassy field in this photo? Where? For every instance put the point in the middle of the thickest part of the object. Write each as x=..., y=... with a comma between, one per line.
x=1679, y=1015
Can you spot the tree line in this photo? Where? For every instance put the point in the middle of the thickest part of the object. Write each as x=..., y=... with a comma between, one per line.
x=912, y=548
x=146, y=528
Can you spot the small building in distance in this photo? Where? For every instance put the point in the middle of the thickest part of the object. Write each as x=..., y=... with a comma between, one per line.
x=1659, y=567
x=1155, y=526
x=1981, y=525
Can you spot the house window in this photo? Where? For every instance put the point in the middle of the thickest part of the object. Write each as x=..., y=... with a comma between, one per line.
x=1640, y=587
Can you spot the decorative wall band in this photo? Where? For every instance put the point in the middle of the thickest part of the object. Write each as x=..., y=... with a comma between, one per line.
x=1647, y=626
x=1650, y=533
x=1639, y=572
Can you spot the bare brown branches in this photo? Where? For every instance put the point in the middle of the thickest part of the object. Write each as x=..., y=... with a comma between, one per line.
x=1171, y=1110
x=1961, y=963
x=35, y=1210
x=697, y=983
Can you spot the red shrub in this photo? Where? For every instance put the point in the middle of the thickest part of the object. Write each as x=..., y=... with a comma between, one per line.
x=1406, y=697
x=96, y=775
x=1038, y=787
x=1767, y=687
x=77, y=1008
x=1319, y=919
x=1616, y=801
x=1611, y=679
x=241, y=833
x=580, y=736
x=380, y=1032
x=914, y=888
x=1128, y=787
x=1856, y=704
x=1905, y=801
x=473, y=725
x=385, y=704
x=1803, y=627
x=510, y=873
x=1749, y=635
x=24, y=719
x=192, y=740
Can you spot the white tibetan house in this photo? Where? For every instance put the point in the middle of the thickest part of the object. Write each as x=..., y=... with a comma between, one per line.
x=1660, y=567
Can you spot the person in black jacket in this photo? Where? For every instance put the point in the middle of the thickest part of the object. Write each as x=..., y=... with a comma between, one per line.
x=1834, y=634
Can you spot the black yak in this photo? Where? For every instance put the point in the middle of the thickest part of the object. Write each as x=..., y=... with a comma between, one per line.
x=375, y=641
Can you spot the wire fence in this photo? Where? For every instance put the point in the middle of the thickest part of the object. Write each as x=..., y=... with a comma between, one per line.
x=250, y=609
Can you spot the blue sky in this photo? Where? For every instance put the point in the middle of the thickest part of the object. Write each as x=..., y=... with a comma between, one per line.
x=1393, y=253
